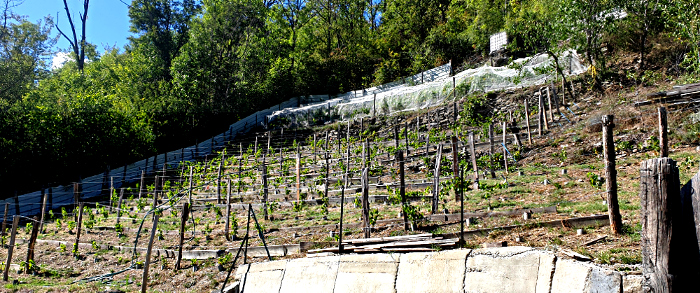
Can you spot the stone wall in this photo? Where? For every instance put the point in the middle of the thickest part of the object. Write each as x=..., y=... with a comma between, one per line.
x=508, y=269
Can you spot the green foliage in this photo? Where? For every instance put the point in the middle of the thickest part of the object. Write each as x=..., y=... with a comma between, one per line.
x=373, y=216
x=595, y=180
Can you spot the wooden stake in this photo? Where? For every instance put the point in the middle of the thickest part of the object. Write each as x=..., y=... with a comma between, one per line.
x=527, y=122
x=32, y=243
x=473, y=155
x=189, y=191
x=405, y=132
x=455, y=165
x=264, y=182
x=298, y=173
x=10, y=248
x=314, y=148
x=43, y=212
x=228, y=210
x=611, y=174
x=183, y=221
x=663, y=132
x=4, y=219
x=365, y=203
x=218, y=179
x=374, y=106
x=436, y=180
x=539, y=113
x=77, y=234
x=544, y=111
x=147, y=262
x=505, y=150
x=119, y=204
x=325, y=156
x=143, y=178
x=549, y=104
x=402, y=189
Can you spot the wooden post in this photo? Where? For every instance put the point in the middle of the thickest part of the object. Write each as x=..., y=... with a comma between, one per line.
x=396, y=136
x=43, y=212
x=663, y=132
x=402, y=189
x=314, y=148
x=298, y=173
x=374, y=106
x=543, y=110
x=325, y=156
x=405, y=132
x=264, y=182
x=10, y=248
x=455, y=164
x=611, y=174
x=473, y=155
x=255, y=147
x=228, y=210
x=147, y=262
x=32, y=241
x=492, y=151
x=527, y=122
x=111, y=192
x=218, y=180
x=76, y=193
x=269, y=139
x=427, y=143
x=143, y=178
x=662, y=233
x=436, y=180
x=119, y=204
x=4, y=219
x=183, y=221
x=505, y=150
x=189, y=191
x=77, y=233
x=539, y=113
x=365, y=203
x=555, y=98
x=549, y=104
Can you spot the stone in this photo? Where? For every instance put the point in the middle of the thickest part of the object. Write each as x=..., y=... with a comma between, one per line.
x=310, y=275
x=632, y=284
x=580, y=232
x=263, y=277
x=510, y=269
x=432, y=272
x=367, y=273
x=573, y=276
x=545, y=182
x=527, y=216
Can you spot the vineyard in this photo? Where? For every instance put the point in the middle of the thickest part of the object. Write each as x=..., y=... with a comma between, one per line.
x=522, y=167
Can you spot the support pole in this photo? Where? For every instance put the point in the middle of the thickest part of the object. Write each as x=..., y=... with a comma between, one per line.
x=492, y=152
x=147, y=262
x=264, y=182
x=663, y=132
x=436, y=180
x=183, y=221
x=527, y=122
x=43, y=212
x=365, y=203
x=473, y=155
x=77, y=234
x=402, y=190
x=611, y=174
x=455, y=165
x=10, y=248
x=32, y=243
x=228, y=210
x=4, y=219
x=505, y=150
x=539, y=114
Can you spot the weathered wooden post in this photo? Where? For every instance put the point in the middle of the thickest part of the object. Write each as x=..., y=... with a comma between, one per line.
x=183, y=221
x=665, y=262
x=405, y=132
x=77, y=233
x=365, y=202
x=549, y=104
x=325, y=156
x=473, y=155
x=314, y=148
x=492, y=151
x=119, y=204
x=228, y=209
x=264, y=182
x=4, y=219
x=298, y=173
x=374, y=106
x=189, y=191
x=527, y=122
x=32, y=243
x=663, y=132
x=43, y=212
x=402, y=189
x=611, y=174
x=143, y=178
x=539, y=113
x=436, y=180
x=147, y=261
x=10, y=247
x=505, y=149
x=218, y=179
x=455, y=164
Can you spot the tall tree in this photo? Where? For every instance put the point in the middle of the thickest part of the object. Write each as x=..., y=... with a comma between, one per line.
x=78, y=47
x=163, y=28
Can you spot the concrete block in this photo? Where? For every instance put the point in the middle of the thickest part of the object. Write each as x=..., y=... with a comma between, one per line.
x=577, y=277
x=310, y=275
x=261, y=277
x=632, y=284
x=432, y=272
x=367, y=273
x=513, y=269
x=202, y=254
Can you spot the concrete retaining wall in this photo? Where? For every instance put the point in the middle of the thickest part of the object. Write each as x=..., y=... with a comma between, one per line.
x=508, y=269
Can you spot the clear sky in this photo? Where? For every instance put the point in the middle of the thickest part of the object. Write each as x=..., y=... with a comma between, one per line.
x=107, y=23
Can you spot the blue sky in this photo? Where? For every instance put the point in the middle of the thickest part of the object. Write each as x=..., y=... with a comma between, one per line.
x=107, y=23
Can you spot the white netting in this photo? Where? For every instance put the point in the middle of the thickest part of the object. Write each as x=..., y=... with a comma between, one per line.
x=413, y=94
